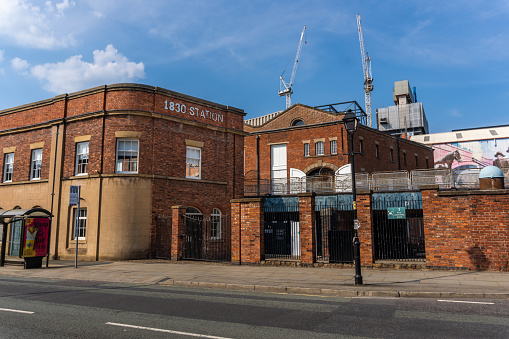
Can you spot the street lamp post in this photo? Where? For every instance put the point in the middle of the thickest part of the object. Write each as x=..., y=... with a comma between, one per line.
x=350, y=121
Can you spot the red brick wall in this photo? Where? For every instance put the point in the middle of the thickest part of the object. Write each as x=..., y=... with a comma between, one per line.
x=468, y=229
x=307, y=114
x=306, y=228
x=23, y=153
x=366, y=161
x=92, y=127
x=247, y=235
x=32, y=114
x=365, y=232
x=77, y=105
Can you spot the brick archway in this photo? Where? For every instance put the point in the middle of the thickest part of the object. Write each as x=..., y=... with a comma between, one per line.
x=320, y=164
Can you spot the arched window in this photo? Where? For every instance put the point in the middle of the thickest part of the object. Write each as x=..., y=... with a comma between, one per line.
x=297, y=122
x=194, y=213
x=215, y=224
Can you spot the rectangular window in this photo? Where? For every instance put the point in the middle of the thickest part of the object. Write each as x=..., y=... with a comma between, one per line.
x=193, y=162
x=215, y=224
x=82, y=158
x=416, y=161
x=360, y=145
x=127, y=155
x=36, y=164
x=319, y=149
x=8, y=167
x=392, y=154
x=306, y=150
x=81, y=222
x=404, y=158
x=427, y=163
x=333, y=147
x=376, y=151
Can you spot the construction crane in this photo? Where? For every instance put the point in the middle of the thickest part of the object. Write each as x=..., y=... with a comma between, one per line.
x=368, y=78
x=286, y=88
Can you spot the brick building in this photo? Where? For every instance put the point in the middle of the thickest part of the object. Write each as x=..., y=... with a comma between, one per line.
x=136, y=151
x=306, y=141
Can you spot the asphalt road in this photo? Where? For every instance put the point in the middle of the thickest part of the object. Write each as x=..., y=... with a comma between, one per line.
x=84, y=309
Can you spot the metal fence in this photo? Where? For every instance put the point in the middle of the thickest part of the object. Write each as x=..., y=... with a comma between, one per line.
x=378, y=182
x=206, y=239
x=400, y=239
x=390, y=181
x=282, y=228
x=334, y=228
x=440, y=176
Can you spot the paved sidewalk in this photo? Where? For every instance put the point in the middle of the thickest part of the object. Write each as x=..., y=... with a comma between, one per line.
x=300, y=280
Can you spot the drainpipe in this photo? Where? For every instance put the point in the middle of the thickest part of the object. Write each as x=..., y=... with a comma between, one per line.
x=58, y=203
x=399, y=162
x=99, y=212
x=257, y=165
x=53, y=190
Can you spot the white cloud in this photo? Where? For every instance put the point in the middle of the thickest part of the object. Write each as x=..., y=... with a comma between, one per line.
x=62, y=6
x=2, y=52
x=25, y=24
x=74, y=74
x=19, y=64
x=455, y=113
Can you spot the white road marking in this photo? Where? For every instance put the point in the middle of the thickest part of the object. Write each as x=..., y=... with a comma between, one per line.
x=467, y=302
x=16, y=311
x=166, y=331
x=368, y=297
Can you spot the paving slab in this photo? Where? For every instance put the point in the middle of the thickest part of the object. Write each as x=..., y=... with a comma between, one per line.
x=279, y=279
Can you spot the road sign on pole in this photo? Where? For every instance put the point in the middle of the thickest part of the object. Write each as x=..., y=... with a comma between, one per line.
x=74, y=199
x=74, y=195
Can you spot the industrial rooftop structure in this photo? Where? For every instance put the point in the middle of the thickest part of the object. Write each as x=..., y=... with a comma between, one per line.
x=407, y=117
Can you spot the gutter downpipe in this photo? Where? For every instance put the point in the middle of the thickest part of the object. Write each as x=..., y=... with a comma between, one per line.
x=257, y=165
x=99, y=212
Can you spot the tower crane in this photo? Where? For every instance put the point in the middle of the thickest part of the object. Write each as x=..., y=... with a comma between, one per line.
x=286, y=88
x=368, y=78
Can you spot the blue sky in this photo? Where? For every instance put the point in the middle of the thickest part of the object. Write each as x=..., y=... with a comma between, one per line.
x=455, y=53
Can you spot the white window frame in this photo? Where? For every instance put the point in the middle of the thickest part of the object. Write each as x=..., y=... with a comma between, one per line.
x=82, y=157
x=215, y=224
x=192, y=160
x=130, y=156
x=82, y=226
x=306, y=149
x=333, y=147
x=319, y=148
x=36, y=164
x=8, y=167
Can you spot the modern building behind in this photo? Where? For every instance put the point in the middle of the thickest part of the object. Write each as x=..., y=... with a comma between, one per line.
x=135, y=150
x=468, y=149
x=407, y=117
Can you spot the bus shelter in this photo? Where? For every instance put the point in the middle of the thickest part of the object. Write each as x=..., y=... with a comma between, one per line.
x=29, y=236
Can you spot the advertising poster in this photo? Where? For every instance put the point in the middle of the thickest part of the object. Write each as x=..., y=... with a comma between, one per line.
x=472, y=154
x=36, y=237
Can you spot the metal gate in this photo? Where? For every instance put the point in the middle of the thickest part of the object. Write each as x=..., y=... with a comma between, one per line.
x=334, y=228
x=399, y=237
x=282, y=228
x=206, y=239
x=163, y=237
